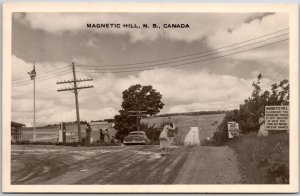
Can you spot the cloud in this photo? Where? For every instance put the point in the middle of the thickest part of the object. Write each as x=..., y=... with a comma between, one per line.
x=91, y=43
x=201, y=24
x=182, y=91
x=275, y=54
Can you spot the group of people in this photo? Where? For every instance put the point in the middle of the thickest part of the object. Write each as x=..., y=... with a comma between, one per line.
x=104, y=134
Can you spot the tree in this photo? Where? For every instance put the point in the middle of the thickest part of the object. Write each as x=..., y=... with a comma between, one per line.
x=248, y=114
x=136, y=98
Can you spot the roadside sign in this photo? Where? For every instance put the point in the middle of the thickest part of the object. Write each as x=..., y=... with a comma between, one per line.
x=60, y=136
x=233, y=129
x=277, y=117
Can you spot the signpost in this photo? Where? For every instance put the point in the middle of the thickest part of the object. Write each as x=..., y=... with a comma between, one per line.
x=233, y=129
x=277, y=118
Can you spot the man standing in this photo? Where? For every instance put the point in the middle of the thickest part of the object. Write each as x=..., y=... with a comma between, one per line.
x=88, y=134
x=101, y=136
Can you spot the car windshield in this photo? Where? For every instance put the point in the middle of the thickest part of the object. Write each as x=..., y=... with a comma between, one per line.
x=134, y=134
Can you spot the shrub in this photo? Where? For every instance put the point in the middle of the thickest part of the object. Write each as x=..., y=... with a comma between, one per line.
x=27, y=142
x=263, y=160
x=278, y=173
x=153, y=131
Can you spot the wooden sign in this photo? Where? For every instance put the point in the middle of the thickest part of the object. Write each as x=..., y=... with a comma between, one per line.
x=277, y=117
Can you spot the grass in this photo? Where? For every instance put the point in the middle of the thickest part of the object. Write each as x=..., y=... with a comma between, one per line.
x=263, y=160
x=207, y=124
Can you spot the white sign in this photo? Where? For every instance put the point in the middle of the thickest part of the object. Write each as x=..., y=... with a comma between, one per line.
x=277, y=117
x=233, y=129
x=60, y=136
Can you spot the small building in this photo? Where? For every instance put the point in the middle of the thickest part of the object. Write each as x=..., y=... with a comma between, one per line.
x=16, y=131
x=103, y=125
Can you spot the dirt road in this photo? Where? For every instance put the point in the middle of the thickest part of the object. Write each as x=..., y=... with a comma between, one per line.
x=123, y=165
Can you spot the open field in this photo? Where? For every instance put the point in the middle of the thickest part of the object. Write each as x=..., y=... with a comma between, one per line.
x=207, y=124
x=51, y=134
x=123, y=165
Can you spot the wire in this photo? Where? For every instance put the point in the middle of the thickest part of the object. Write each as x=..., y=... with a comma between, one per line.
x=53, y=76
x=112, y=65
x=43, y=73
x=187, y=62
x=185, y=59
x=38, y=78
x=279, y=73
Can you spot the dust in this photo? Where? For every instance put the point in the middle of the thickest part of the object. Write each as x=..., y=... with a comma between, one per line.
x=79, y=158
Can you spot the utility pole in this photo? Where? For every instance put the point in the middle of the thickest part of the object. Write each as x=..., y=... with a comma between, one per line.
x=75, y=90
x=32, y=75
x=137, y=114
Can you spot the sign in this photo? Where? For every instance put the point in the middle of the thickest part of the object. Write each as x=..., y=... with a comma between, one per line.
x=60, y=136
x=277, y=117
x=233, y=129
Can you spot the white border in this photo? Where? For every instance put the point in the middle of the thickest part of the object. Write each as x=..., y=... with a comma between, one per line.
x=292, y=9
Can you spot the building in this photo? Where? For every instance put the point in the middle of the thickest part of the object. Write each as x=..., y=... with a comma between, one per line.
x=16, y=131
x=98, y=125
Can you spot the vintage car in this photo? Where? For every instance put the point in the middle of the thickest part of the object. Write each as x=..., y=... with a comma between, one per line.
x=137, y=137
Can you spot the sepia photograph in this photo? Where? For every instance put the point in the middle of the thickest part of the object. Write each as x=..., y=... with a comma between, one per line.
x=150, y=98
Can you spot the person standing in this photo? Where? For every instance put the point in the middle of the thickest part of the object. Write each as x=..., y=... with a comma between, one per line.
x=165, y=142
x=88, y=134
x=106, y=136
x=101, y=136
x=262, y=132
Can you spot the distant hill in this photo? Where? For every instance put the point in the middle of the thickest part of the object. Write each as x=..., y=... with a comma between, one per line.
x=197, y=113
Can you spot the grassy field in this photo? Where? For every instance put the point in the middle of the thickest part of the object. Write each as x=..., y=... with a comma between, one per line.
x=207, y=124
x=51, y=134
x=263, y=160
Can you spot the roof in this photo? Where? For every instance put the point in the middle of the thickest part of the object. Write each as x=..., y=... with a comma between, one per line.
x=15, y=124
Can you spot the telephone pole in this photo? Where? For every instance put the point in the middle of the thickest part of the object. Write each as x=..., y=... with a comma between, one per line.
x=137, y=114
x=75, y=90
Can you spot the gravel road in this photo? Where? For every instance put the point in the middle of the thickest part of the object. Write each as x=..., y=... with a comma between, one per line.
x=123, y=165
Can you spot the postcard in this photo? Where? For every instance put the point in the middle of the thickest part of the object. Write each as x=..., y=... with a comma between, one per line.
x=150, y=98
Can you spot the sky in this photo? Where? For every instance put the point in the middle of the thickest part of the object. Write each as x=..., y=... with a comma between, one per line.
x=208, y=66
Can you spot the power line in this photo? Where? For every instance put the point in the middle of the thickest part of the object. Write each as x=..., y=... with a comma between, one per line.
x=187, y=62
x=279, y=73
x=42, y=77
x=59, y=70
x=99, y=68
x=53, y=76
x=112, y=65
x=75, y=89
x=138, y=114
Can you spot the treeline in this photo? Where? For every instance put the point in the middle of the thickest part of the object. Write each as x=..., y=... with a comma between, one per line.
x=249, y=112
x=82, y=122
x=198, y=113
